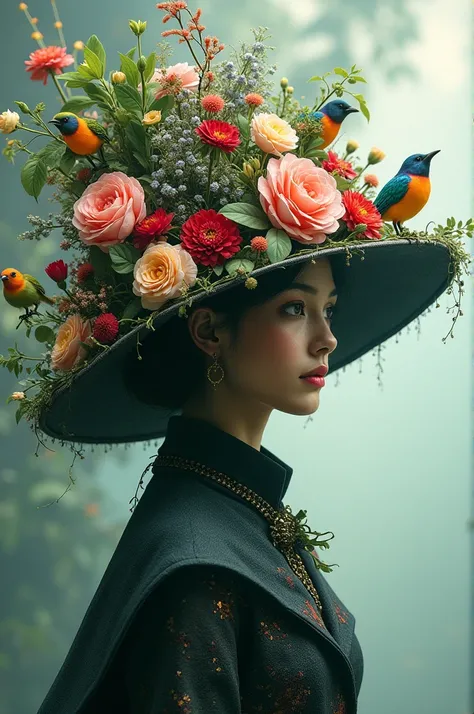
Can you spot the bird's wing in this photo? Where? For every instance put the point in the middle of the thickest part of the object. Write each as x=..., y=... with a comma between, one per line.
x=317, y=115
x=97, y=129
x=35, y=282
x=393, y=192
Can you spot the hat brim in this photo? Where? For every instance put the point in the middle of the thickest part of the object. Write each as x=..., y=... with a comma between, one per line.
x=391, y=286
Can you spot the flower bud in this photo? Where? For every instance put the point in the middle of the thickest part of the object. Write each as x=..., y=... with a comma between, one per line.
x=283, y=82
x=141, y=64
x=36, y=36
x=23, y=6
x=290, y=90
x=58, y=24
x=78, y=45
x=351, y=146
x=255, y=163
x=150, y=118
x=118, y=77
x=138, y=28
x=248, y=170
x=375, y=155
x=251, y=283
x=24, y=107
x=9, y=121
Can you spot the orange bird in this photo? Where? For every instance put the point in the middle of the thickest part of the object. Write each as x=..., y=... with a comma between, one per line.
x=83, y=136
x=331, y=116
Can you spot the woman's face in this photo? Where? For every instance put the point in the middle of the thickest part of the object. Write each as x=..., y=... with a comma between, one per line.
x=281, y=340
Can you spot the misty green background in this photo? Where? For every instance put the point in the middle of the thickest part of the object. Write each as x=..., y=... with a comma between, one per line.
x=387, y=470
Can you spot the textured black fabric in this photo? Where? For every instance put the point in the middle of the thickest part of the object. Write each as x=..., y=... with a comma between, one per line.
x=199, y=613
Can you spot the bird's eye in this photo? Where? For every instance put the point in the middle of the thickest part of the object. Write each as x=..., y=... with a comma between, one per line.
x=419, y=158
x=65, y=120
x=13, y=275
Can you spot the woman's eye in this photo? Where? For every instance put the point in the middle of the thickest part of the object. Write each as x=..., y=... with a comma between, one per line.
x=298, y=306
x=331, y=309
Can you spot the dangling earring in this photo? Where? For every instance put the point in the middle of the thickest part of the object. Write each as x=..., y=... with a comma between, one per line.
x=215, y=366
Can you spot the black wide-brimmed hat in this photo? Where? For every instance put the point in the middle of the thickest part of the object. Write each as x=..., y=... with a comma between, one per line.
x=387, y=284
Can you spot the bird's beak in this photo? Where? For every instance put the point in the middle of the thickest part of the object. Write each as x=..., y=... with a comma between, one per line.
x=351, y=110
x=55, y=122
x=427, y=157
x=4, y=278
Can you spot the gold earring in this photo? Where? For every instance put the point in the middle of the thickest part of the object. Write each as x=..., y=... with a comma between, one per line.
x=218, y=367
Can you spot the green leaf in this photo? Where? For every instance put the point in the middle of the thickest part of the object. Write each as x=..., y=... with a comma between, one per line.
x=85, y=71
x=73, y=79
x=243, y=124
x=150, y=66
x=67, y=161
x=43, y=333
x=342, y=72
x=33, y=175
x=129, y=68
x=98, y=95
x=131, y=52
x=94, y=44
x=100, y=261
x=279, y=245
x=362, y=105
x=342, y=183
x=316, y=78
x=233, y=265
x=124, y=257
x=218, y=269
x=359, y=79
x=164, y=105
x=94, y=64
x=246, y=214
x=77, y=104
x=52, y=153
x=136, y=134
x=129, y=98
x=133, y=308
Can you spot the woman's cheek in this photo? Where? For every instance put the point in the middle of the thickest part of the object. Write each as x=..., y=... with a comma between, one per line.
x=276, y=343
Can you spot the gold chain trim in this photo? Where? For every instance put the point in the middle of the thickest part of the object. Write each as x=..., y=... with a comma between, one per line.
x=284, y=527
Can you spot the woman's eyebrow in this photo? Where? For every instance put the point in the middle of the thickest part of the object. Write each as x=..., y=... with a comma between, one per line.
x=309, y=289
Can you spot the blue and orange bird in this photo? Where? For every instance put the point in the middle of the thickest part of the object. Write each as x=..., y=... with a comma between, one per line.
x=83, y=136
x=407, y=192
x=331, y=116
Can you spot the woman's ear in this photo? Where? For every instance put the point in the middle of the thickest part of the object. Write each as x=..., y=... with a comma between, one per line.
x=205, y=331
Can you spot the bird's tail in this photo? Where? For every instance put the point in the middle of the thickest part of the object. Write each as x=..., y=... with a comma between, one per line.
x=50, y=301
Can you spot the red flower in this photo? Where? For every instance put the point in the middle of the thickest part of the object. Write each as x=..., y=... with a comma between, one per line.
x=360, y=210
x=84, y=271
x=47, y=60
x=210, y=238
x=57, y=271
x=105, y=328
x=220, y=134
x=156, y=224
x=341, y=167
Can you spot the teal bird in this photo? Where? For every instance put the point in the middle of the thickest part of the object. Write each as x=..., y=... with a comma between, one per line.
x=407, y=192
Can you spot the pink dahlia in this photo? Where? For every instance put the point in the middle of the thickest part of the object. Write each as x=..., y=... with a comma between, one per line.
x=46, y=60
x=300, y=198
x=210, y=238
x=360, y=210
x=335, y=164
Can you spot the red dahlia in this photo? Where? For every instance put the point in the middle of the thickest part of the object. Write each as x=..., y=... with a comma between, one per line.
x=210, y=238
x=360, y=210
x=341, y=167
x=106, y=328
x=220, y=134
x=154, y=225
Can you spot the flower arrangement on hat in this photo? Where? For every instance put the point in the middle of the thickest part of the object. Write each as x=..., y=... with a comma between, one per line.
x=184, y=177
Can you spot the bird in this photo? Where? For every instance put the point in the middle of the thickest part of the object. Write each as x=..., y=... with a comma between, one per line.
x=83, y=136
x=407, y=192
x=23, y=291
x=331, y=116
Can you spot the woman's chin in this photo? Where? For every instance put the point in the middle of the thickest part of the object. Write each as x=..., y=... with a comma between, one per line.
x=301, y=407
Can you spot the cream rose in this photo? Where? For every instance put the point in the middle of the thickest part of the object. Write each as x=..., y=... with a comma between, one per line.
x=9, y=121
x=108, y=210
x=67, y=351
x=272, y=134
x=161, y=272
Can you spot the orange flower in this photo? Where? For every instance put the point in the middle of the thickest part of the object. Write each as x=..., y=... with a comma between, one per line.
x=68, y=351
x=46, y=60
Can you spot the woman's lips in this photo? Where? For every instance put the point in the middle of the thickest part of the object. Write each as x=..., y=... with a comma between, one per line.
x=315, y=381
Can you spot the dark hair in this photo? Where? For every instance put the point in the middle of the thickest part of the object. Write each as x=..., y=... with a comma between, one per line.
x=177, y=364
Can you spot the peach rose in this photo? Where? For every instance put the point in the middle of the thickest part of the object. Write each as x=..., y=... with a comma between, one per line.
x=301, y=199
x=67, y=351
x=108, y=210
x=161, y=272
x=272, y=134
x=173, y=79
x=9, y=121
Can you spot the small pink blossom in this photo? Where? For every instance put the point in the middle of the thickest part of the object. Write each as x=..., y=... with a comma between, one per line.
x=175, y=78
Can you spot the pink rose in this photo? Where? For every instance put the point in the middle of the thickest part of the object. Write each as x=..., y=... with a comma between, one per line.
x=301, y=199
x=175, y=78
x=108, y=210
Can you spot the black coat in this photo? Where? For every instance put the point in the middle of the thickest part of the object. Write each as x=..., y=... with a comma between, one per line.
x=199, y=613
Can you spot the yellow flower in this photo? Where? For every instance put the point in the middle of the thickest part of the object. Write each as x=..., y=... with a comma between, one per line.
x=118, y=77
x=78, y=45
x=8, y=121
x=251, y=283
x=351, y=146
x=151, y=118
x=161, y=273
x=272, y=134
x=375, y=155
x=23, y=6
x=283, y=82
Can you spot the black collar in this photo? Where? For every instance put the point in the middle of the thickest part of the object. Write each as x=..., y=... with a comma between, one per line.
x=205, y=443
